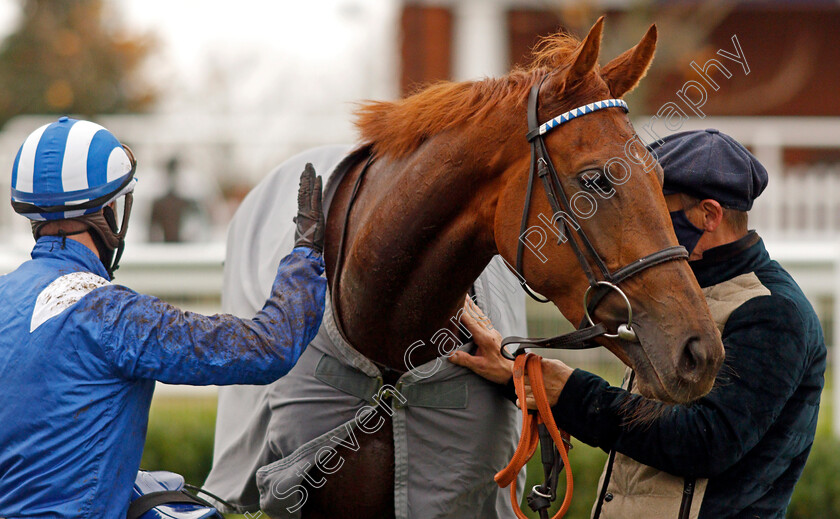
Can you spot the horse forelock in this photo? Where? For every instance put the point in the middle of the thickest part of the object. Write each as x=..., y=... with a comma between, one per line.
x=553, y=51
x=397, y=128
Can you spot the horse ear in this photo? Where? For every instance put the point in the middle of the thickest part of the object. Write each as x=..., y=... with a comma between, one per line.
x=624, y=72
x=587, y=53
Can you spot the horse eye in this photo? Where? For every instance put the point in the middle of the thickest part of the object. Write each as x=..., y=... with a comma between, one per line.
x=595, y=180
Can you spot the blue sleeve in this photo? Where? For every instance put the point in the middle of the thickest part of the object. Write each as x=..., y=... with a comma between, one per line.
x=765, y=360
x=146, y=338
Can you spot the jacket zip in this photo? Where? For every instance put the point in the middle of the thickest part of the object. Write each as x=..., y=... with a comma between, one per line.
x=610, y=462
x=688, y=494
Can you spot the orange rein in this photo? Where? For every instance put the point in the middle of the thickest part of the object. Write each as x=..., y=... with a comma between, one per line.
x=529, y=439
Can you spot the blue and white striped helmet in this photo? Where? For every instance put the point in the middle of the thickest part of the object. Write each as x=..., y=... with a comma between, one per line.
x=68, y=169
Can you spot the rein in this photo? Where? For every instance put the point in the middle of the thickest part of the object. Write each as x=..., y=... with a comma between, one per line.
x=537, y=428
x=541, y=424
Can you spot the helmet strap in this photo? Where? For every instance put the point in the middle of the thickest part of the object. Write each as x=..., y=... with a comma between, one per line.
x=106, y=254
x=116, y=241
x=38, y=226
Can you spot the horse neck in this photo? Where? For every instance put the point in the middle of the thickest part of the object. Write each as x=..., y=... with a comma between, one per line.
x=420, y=233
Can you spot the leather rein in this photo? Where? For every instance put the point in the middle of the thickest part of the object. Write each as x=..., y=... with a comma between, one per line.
x=539, y=427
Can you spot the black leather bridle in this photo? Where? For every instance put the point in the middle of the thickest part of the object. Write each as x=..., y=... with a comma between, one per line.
x=542, y=167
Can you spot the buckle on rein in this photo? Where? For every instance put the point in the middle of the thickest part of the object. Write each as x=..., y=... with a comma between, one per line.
x=542, y=496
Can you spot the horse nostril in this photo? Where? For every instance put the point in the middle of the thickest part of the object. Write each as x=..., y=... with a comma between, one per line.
x=693, y=361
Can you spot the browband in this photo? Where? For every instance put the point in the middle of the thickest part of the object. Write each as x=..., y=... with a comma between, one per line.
x=572, y=114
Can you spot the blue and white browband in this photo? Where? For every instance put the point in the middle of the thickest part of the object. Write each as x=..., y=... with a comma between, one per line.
x=581, y=110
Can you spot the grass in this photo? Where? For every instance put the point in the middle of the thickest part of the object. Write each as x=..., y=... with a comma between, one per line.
x=180, y=437
x=826, y=417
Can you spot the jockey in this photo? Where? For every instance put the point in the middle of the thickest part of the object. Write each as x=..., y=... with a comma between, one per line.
x=79, y=355
x=738, y=451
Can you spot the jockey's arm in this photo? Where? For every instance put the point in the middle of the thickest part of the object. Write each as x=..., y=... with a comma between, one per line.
x=142, y=337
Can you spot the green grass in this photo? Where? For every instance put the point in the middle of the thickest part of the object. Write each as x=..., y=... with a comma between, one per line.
x=180, y=437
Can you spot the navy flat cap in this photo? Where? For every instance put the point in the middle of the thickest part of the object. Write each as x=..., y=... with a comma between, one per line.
x=710, y=164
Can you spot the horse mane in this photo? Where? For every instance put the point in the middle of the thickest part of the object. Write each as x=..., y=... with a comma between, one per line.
x=397, y=128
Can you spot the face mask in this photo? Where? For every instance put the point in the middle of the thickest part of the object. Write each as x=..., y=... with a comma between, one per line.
x=687, y=233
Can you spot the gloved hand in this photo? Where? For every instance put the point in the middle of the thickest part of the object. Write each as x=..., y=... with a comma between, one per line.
x=310, y=217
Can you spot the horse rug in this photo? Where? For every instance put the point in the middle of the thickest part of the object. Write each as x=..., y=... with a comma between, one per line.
x=452, y=429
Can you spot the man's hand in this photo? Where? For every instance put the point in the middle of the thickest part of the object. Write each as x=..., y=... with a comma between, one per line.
x=310, y=218
x=487, y=361
x=555, y=375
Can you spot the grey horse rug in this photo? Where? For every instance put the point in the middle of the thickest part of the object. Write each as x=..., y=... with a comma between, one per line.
x=452, y=429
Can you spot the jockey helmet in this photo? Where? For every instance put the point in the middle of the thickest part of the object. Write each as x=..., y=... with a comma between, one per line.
x=74, y=170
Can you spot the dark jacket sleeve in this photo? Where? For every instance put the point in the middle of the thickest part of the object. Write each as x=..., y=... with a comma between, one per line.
x=765, y=361
x=146, y=338
x=509, y=391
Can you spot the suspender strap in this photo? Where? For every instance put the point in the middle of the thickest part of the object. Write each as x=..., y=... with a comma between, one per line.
x=610, y=462
x=688, y=494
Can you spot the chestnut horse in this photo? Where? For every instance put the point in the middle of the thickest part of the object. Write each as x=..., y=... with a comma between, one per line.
x=445, y=193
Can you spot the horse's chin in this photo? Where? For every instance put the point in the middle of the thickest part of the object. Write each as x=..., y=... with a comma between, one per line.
x=655, y=390
x=649, y=385
x=650, y=382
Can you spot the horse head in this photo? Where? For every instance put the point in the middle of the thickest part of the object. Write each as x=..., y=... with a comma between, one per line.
x=614, y=192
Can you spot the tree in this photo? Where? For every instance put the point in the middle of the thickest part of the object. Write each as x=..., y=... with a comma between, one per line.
x=70, y=57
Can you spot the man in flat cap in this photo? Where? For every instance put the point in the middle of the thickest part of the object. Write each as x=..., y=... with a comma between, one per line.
x=738, y=451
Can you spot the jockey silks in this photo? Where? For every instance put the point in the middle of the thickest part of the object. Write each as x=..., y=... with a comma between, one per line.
x=79, y=357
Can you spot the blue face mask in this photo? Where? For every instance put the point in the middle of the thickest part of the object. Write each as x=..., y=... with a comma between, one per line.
x=687, y=233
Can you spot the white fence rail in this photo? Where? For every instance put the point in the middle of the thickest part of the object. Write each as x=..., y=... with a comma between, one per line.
x=809, y=205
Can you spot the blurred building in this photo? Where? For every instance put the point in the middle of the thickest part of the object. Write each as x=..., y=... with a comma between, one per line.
x=781, y=107
x=782, y=103
x=790, y=44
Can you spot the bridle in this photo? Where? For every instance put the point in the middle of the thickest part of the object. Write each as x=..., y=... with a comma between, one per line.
x=539, y=428
x=542, y=167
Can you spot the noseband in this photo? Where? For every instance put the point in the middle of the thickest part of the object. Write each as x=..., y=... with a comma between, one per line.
x=542, y=167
